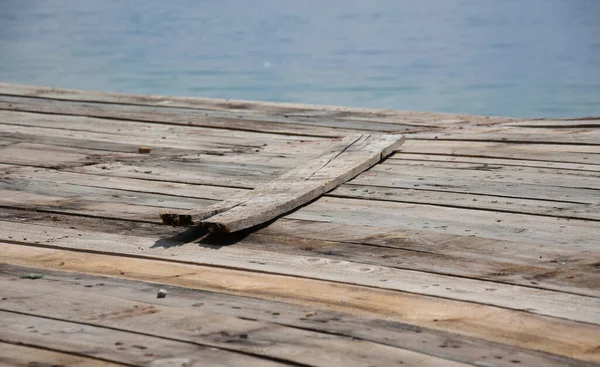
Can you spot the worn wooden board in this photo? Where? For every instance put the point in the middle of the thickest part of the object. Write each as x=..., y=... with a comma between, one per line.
x=192, y=305
x=203, y=327
x=531, y=299
x=295, y=188
x=517, y=163
x=260, y=108
x=546, y=266
x=25, y=356
x=547, y=152
x=114, y=345
x=291, y=125
x=480, y=234
x=44, y=181
x=479, y=223
x=511, y=133
x=562, y=337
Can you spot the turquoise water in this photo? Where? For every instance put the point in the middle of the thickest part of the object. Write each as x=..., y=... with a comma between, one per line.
x=522, y=58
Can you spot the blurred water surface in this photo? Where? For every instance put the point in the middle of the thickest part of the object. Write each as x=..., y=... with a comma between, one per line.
x=522, y=58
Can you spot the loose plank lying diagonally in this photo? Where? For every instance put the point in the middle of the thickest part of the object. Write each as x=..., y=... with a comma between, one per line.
x=297, y=187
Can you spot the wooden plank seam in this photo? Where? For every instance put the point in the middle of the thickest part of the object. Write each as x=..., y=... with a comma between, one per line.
x=339, y=164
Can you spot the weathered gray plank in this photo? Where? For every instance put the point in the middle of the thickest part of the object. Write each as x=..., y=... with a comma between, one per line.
x=70, y=123
x=297, y=187
x=508, y=205
x=517, y=134
x=51, y=156
x=28, y=177
x=231, y=120
x=517, y=163
x=562, y=153
x=114, y=345
x=14, y=355
x=480, y=223
x=260, y=108
x=583, y=190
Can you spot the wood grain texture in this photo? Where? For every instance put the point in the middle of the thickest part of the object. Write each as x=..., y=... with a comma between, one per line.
x=199, y=326
x=257, y=108
x=562, y=337
x=264, y=123
x=557, y=304
x=476, y=242
x=443, y=195
x=114, y=345
x=295, y=188
x=540, y=151
x=559, y=267
x=23, y=356
x=194, y=305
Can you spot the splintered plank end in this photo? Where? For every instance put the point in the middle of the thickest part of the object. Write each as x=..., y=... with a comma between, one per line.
x=344, y=161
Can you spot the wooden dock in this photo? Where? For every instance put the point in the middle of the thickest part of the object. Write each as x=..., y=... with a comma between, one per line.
x=476, y=243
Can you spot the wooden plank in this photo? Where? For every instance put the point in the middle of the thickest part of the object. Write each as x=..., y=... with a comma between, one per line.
x=507, y=188
x=551, y=265
x=510, y=167
x=246, y=107
x=385, y=215
x=440, y=158
x=200, y=326
x=266, y=123
x=101, y=294
x=216, y=144
x=517, y=151
x=185, y=301
x=390, y=215
x=541, y=187
x=297, y=187
x=18, y=177
x=68, y=191
x=555, y=266
x=478, y=223
x=560, y=268
x=505, y=133
x=568, y=123
x=114, y=345
x=498, y=173
x=474, y=201
x=496, y=188
x=54, y=157
x=23, y=356
x=525, y=330
x=137, y=128
x=169, y=116
x=535, y=300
